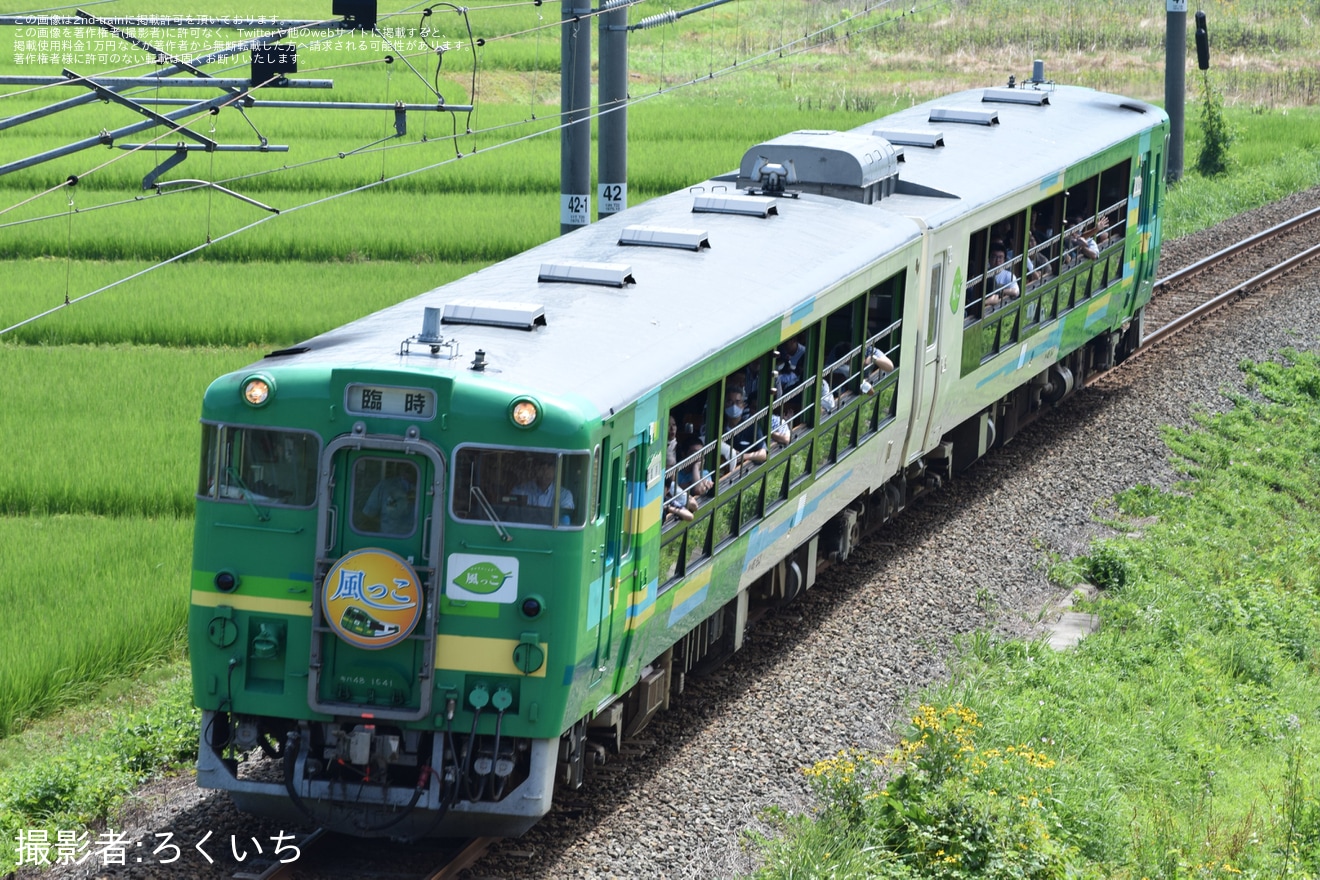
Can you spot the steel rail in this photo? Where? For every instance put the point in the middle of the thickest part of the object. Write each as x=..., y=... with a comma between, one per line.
x=1234, y=249
x=1242, y=289
x=463, y=859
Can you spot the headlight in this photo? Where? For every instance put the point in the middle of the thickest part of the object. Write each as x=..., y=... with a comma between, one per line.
x=524, y=412
x=257, y=390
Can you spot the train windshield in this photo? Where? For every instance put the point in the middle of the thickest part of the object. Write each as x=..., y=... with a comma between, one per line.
x=521, y=487
x=258, y=465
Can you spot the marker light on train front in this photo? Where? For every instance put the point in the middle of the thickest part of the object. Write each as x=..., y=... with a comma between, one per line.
x=257, y=390
x=524, y=412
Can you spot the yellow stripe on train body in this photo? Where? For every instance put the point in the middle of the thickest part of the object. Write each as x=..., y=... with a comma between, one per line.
x=263, y=604
x=463, y=653
x=475, y=654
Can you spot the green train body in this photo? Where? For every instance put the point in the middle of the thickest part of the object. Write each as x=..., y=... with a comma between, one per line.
x=443, y=561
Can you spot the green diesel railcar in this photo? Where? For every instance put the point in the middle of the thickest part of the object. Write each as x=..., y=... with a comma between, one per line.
x=449, y=555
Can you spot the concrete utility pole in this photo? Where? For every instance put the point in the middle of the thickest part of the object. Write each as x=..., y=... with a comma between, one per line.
x=575, y=103
x=1175, y=84
x=612, y=146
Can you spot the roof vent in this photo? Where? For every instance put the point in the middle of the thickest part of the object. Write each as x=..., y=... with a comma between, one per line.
x=1015, y=96
x=929, y=139
x=605, y=274
x=519, y=316
x=285, y=352
x=664, y=236
x=752, y=206
x=968, y=117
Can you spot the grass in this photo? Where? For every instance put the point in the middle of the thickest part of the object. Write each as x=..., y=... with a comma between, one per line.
x=1263, y=173
x=120, y=449
x=1177, y=742
x=201, y=304
x=81, y=768
x=87, y=599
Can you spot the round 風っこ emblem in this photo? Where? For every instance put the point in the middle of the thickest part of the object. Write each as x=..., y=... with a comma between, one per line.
x=372, y=598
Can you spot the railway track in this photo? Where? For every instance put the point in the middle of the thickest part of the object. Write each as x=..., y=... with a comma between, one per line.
x=1184, y=297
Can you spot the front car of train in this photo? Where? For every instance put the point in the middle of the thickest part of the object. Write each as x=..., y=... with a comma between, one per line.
x=358, y=614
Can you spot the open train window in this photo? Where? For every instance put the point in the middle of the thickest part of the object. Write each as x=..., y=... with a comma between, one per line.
x=521, y=487
x=1044, y=240
x=258, y=465
x=996, y=267
x=1111, y=218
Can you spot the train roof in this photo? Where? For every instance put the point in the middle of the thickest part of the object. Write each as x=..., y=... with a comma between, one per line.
x=681, y=303
x=977, y=160
x=613, y=345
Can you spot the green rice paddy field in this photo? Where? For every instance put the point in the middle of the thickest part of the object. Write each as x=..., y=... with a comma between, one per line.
x=100, y=399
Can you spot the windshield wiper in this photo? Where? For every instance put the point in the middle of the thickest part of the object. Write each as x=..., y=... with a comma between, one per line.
x=490, y=513
x=232, y=473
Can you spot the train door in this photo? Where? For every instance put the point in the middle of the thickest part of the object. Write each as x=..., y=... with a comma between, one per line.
x=632, y=571
x=1146, y=187
x=617, y=561
x=374, y=608
x=923, y=432
x=601, y=601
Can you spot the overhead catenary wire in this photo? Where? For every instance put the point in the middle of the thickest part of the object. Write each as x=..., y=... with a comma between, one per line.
x=177, y=125
x=793, y=47
x=779, y=51
x=770, y=54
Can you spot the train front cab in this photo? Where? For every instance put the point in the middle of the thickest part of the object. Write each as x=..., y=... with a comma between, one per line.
x=381, y=614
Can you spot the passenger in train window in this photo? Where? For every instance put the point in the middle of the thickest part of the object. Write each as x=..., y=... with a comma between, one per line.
x=737, y=381
x=1101, y=232
x=1004, y=235
x=781, y=429
x=875, y=366
x=1042, y=226
x=878, y=359
x=1004, y=286
x=1079, y=245
x=679, y=505
x=391, y=503
x=691, y=476
x=791, y=363
x=749, y=443
x=827, y=401
x=1037, y=266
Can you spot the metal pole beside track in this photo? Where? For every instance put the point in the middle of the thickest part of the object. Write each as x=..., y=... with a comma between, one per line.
x=612, y=147
x=1175, y=84
x=575, y=104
